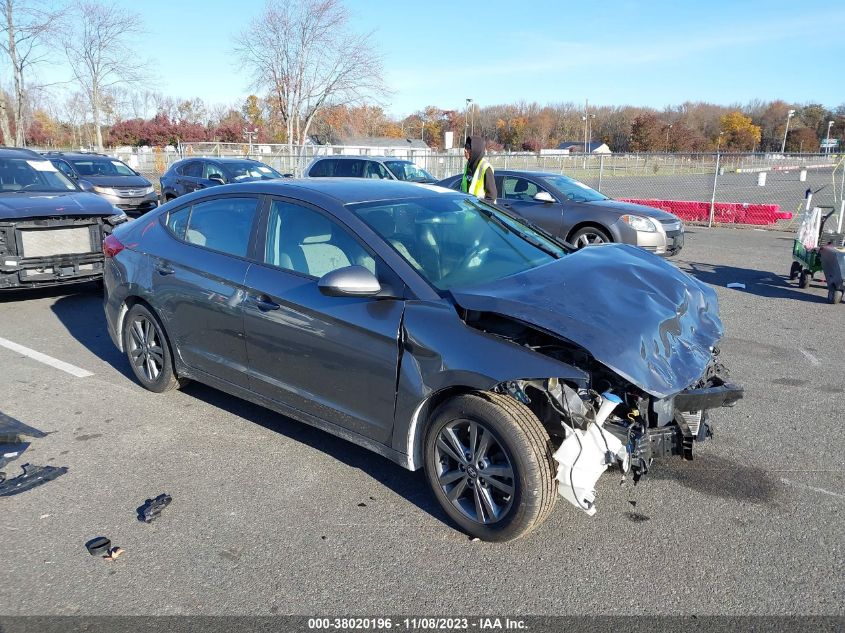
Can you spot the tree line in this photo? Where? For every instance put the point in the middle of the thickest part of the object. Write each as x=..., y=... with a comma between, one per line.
x=314, y=78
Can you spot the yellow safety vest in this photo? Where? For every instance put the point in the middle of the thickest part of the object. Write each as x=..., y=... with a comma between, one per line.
x=476, y=185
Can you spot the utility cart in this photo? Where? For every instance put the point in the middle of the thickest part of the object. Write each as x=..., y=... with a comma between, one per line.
x=807, y=249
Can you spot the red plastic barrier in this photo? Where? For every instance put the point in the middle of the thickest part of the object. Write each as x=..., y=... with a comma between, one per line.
x=723, y=212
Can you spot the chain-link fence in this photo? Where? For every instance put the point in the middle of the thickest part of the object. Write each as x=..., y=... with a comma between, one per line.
x=760, y=189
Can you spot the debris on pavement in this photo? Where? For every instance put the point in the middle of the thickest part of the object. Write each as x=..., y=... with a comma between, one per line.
x=32, y=477
x=11, y=451
x=113, y=553
x=737, y=285
x=152, y=508
x=99, y=546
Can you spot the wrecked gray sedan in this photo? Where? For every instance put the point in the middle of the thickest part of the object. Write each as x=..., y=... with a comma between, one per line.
x=429, y=327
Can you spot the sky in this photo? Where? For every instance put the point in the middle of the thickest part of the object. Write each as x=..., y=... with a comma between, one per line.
x=614, y=52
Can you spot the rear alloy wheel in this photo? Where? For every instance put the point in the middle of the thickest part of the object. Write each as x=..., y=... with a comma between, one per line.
x=489, y=463
x=589, y=236
x=148, y=351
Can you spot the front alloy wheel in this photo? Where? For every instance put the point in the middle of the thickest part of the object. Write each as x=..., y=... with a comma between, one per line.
x=488, y=460
x=589, y=236
x=474, y=471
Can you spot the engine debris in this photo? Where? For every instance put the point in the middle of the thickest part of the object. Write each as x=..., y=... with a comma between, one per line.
x=151, y=509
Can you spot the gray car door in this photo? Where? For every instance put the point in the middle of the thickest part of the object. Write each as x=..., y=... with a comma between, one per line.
x=517, y=194
x=198, y=282
x=332, y=357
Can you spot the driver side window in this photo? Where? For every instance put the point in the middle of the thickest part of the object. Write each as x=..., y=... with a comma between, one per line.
x=212, y=170
x=519, y=189
x=305, y=241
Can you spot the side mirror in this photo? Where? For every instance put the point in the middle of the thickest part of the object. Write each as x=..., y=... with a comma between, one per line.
x=217, y=178
x=351, y=281
x=85, y=185
x=543, y=196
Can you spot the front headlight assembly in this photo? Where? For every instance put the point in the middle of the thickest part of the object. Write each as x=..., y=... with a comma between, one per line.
x=640, y=223
x=106, y=191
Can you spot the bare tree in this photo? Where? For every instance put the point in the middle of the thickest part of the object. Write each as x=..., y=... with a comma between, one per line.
x=27, y=29
x=5, y=129
x=99, y=52
x=304, y=54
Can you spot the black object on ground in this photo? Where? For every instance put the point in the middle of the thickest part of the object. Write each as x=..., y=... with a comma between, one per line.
x=98, y=546
x=11, y=451
x=32, y=477
x=153, y=507
x=11, y=429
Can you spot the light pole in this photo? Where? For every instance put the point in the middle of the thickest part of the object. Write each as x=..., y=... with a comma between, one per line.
x=827, y=140
x=249, y=133
x=789, y=115
x=466, y=118
x=668, y=127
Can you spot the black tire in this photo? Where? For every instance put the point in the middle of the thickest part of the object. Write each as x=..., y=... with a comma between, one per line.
x=794, y=271
x=804, y=279
x=149, y=343
x=834, y=295
x=520, y=442
x=589, y=235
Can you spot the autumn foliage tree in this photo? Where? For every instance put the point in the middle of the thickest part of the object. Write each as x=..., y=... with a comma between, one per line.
x=739, y=132
x=648, y=134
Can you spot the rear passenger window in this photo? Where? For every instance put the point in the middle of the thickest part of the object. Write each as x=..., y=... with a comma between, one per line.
x=222, y=225
x=177, y=222
x=322, y=169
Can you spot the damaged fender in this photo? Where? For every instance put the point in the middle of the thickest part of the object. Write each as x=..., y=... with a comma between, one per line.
x=433, y=359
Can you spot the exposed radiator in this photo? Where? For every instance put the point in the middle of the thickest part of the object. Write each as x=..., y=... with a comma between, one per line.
x=58, y=241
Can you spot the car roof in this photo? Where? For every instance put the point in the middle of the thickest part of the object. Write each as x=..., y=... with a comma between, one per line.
x=343, y=190
x=220, y=159
x=347, y=157
x=76, y=155
x=19, y=152
x=524, y=172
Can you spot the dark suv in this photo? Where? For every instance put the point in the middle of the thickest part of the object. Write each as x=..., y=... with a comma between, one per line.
x=113, y=179
x=51, y=232
x=377, y=167
x=192, y=174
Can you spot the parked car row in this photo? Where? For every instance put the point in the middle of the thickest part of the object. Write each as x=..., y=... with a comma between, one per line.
x=561, y=206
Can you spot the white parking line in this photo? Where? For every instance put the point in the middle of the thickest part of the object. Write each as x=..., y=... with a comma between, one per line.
x=813, y=360
x=813, y=488
x=73, y=370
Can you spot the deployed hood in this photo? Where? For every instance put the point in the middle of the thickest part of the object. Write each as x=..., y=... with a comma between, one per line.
x=118, y=181
x=634, y=209
x=477, y=149
x=74, y=204
x=632, y=311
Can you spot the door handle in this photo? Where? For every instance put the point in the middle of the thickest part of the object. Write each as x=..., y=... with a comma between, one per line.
x=164, y=269
x=265, y=304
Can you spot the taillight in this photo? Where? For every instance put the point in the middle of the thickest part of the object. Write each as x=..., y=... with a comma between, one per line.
x=111, y=246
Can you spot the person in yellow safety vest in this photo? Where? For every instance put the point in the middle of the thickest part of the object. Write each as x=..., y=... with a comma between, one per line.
x=478, y=175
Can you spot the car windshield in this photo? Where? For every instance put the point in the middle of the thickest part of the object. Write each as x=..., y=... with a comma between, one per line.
x=21, y=174
x=406, y=170
x=574, y=190
x=455, y=241
x=242, y=170
x=101, y=167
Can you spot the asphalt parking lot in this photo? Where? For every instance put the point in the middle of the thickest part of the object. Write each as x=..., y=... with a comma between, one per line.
x=272, y=517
